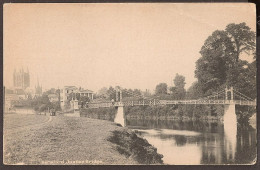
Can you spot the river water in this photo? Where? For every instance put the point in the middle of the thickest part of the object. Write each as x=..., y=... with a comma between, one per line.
x=197, y=142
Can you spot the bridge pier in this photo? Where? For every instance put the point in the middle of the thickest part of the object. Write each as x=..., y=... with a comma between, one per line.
x=230, y=128
x=230, y=121
x=230, y=116
x=120, y=116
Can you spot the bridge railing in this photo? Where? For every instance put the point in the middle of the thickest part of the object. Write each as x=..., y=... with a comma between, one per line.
x=169, y=102
x=243, y=102
x=97, y=105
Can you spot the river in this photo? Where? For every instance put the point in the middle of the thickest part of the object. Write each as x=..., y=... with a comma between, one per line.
x=197, y=142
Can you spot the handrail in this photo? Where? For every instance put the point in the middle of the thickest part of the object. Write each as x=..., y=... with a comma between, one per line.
x=169, y=102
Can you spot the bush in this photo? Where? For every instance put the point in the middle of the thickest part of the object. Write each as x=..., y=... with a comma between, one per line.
x=105, y=113
x=129, y=144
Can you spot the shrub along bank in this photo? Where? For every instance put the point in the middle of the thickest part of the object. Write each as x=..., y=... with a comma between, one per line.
x=99, y=113
x=129, y=144
x=158, y=112
x=175, y=112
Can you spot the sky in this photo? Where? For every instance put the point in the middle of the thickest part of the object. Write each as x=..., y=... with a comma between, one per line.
x=102, y=45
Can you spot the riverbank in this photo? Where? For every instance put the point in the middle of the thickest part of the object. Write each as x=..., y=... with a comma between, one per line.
x=74, y=140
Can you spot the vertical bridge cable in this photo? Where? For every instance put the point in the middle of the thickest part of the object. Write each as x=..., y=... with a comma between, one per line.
x=217, y=94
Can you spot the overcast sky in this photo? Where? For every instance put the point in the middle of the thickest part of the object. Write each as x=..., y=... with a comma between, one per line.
x=98, y=45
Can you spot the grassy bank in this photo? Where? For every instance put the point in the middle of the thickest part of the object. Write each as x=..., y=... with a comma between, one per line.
x=72, y=140
x=129, y=144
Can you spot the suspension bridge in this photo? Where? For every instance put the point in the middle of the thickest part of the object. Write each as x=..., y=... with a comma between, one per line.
x=227, y=96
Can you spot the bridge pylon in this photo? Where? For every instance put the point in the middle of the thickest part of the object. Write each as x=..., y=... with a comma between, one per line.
x=118, y=95
x=229, y=93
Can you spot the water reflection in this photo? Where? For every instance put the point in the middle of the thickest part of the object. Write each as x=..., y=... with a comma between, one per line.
x=195, y=142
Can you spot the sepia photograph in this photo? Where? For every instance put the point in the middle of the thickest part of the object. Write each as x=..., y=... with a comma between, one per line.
x=129, y=84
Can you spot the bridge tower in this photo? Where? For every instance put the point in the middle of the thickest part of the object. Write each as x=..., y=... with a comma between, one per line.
x=118, y=95
x=229, y=93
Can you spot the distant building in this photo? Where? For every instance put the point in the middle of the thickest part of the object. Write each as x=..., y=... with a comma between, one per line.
x=64, y=94
x=38, y=90
x=21, y=79
x=67, y=90
x=21, y=84
x=87, y=93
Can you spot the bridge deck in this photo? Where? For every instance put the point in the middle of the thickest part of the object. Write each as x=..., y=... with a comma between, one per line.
x=171, y=102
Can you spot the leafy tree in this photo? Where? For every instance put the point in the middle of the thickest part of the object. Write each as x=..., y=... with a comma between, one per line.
x=83, y=100
x=137, y=92
x=211, y=68
x=195, y=91
x=243, y=39
x=179, y=81
x=42, y=103
x=103, y=93
x=111, y=93
x=220, y=64
x=161, y=89
x=178, y=91
x=147, y=93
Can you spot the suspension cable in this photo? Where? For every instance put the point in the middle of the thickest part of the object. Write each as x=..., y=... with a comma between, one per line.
x=248, y=98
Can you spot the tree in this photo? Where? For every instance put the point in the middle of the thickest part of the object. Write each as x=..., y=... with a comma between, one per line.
x=195, y=91
x=220, y=64
x=179, y=81
x=111, y=93
x=42, y=103
x=178, y=90
x=83, y=100
x=211, y=68
x=103, y=93
x=161, y=89
x=137, y=92
x=147, y=93
x=243, y=39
